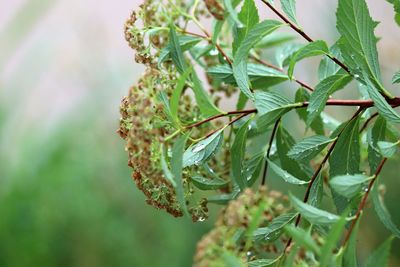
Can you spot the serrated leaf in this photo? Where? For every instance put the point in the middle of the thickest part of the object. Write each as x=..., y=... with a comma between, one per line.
x=312, y=214
x=289, y=7
x=348, y=185
x=317, y=125
x=316, y=192
x=345, y=157
x=163, y=98
x=256, y=34
x=285, y=52
x=208, y=184
x=164, y=165
x=302, y=238
x=248, y=16
x=275, y=39
x=287, y=177
x=237, y=156
x=222, y=199
x=229, y=6
x=186, y=42
x=380, y=256
x=202, y=151
x=309, y=147
x=384, y=109
x=315, y=48
x=374, y=135
x=396, y=78
x=252, y=168
x=387, y=149
x=331, y=240
x=284, y=142
x=322, y=92
x=176, y=94
x=203, y=100
x=270, y=107
x=263, y=262
x=176, y=169
x=327, y=66
x=176, y=51
x=260, y=76
x=358, y=42
x=383, y=213
x=274, y=229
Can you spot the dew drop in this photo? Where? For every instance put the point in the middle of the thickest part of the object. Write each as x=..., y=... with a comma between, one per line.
x=201, y=219
x=356, y=76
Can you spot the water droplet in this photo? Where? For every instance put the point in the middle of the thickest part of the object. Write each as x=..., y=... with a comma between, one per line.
x=356, y=76
x=249, y=253
x=201, y=219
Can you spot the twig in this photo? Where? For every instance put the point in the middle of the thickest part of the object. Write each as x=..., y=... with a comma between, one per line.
x=368, y=121
x=302, y=33
x=319, y=168
x=364, y=201
x=230, y=113
x=271, y=140
x=230, y=123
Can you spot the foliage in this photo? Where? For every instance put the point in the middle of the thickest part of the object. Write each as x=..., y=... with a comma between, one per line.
x=170, y=107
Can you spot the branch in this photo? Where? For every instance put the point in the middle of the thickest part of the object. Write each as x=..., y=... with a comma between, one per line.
x=318, y=170
x=364, y=201
x=303, y=34
x=271, y=140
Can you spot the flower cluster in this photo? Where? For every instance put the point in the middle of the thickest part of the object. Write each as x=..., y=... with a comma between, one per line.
x=234, y=228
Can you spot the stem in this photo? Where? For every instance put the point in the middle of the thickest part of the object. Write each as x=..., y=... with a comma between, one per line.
x=364, y=201
x=303, y=34
x=368, y=121
x=230, y=113
x=303, y=84
x=230, y=123
x=319, y=168
x=271, y=140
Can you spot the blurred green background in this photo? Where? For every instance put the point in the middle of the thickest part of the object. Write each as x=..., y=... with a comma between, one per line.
x=66, y=196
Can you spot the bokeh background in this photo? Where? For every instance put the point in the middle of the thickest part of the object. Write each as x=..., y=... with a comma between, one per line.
x=66, y=197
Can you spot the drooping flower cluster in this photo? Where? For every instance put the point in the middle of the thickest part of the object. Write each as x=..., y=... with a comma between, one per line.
x=234, y=229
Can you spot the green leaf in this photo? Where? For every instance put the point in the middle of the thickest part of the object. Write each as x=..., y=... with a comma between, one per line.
x=374, y=135
x=387, y=149
x=309, y=147
x=287, y=177
x=186, y=42
x=263, y=262
x=252, y=168
x=331, y=240
x=345, y=158
x=322, y=92
x=222, y=199
x=358, y=42
x=256, y=34
x=350, y=253
x=208, y=184
x=229, y=6
x=382, y=212
x=317, y=125
x=381, y=255
x=348, y=185
x=327, y=66
x=203, y=100
x=302, y=238
x=396, y=78
x=315, y=48
x=163, y=98
x=275, y=39
x=284, y=142
x=237, y=154
x=289, y=7
x=284, y=53
x=384, y=109
x=176, y=51
x=164, y=165
x=261, y=77
x=270, y=107
x=312, y=214
x=176, y=169
x=274, y=229
x=176, y=94
x=249, y=18
x=316, y=192
x=203, y=150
